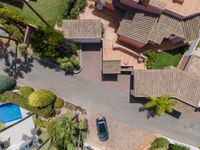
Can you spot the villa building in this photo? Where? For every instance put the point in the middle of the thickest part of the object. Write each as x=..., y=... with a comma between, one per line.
x=181, y=83
x=155, y=22
x=152, y=21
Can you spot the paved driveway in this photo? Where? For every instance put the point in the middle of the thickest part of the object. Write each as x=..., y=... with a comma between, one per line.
x=92, y=63
x=101, y=98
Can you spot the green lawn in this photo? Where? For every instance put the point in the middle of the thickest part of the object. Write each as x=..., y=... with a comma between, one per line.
x=48, y=9
x=169, y=58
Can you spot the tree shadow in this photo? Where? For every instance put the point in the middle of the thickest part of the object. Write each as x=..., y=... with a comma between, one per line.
x=4, y=55
x=109, y=77
x=150, y=113
x=14, y=66
x=48, y=64
x=18, y=68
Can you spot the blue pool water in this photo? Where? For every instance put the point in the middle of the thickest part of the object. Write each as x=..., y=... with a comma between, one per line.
x=9, y=112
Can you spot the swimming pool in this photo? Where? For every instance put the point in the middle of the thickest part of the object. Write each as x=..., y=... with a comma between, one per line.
x=9, y=112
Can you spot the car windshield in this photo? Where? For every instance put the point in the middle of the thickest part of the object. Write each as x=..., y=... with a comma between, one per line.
x=102, y=128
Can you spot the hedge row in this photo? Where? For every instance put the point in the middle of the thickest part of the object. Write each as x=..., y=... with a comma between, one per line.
x=42, y=98
x=11, y=14
x=26, y=91
x=23, y=102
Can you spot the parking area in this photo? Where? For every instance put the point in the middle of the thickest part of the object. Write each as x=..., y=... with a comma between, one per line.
x=121, y=136
x=92, y=65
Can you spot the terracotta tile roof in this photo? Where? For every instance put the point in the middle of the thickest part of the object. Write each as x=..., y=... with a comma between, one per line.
x=137, y=25
x=144, y=27
x=174, y=82
x=193, y=65
x=158, y=4
x=86, y=28
x=166, y=26
x=192, y=28
x=111, y=67
x=187, y=29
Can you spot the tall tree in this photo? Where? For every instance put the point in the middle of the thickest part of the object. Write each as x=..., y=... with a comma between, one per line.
x=67, y=131
x=161, y=104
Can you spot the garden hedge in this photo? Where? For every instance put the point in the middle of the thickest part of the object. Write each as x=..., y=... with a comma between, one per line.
x=59, y=103
x=178, y=147
x=26, y=91
x=42, y=98
x=6, y=83
x=23, y=102
x=159, y=143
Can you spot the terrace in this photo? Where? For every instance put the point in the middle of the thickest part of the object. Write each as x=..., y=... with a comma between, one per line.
x=184, y=7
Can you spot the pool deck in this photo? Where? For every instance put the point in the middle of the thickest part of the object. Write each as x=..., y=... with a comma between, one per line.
x=19, y=133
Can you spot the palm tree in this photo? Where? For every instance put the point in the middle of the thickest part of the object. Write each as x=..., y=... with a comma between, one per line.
x=65, y=131
x=161, y=104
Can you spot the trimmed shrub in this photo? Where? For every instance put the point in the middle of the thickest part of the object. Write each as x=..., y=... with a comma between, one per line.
x=73, y=47
x=62, y=60
x=178, y=147
x=74, y=61
x=68, y=49
x=80, y=4
x=23, y=102
x=42, y=98
x=74, y=13
x=151, y=55
x=40, y=141
x=22, y=49
x=159, y=143
x=39, y=132
x=38, y=122
x=67, y=66
x=1, y=125
x=6, y=83
x=26, y=91
x=59, y=103
x=198, y=45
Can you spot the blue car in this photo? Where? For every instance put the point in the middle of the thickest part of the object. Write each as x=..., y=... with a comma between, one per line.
x=102, y=129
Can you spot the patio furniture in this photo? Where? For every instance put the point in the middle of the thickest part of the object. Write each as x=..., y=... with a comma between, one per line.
x=99, y=6
x=5, y=143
